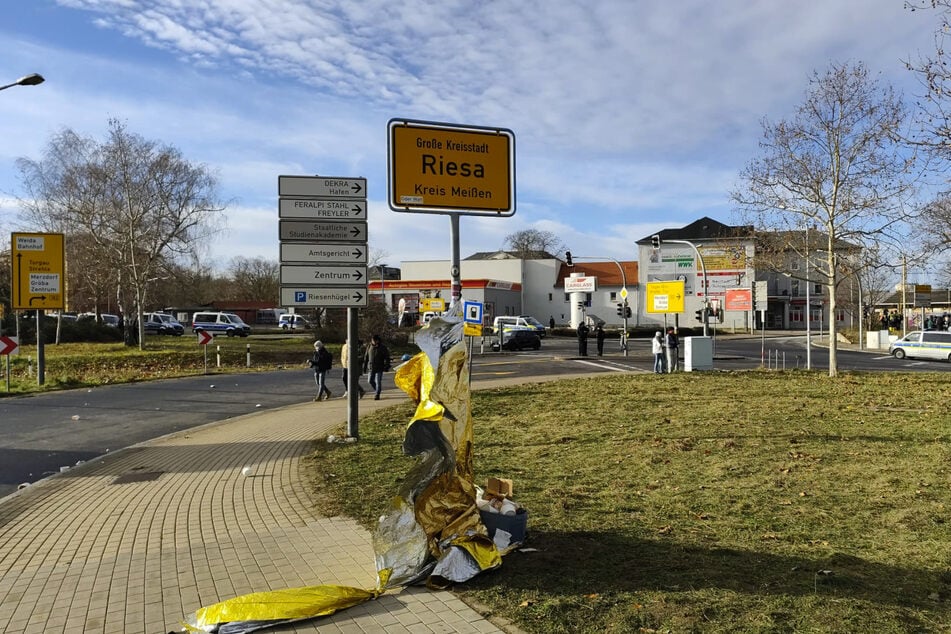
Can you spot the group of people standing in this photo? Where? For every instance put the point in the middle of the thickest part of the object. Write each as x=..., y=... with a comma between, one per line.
x=376, y=361
x=666, y=349
x=583, y=331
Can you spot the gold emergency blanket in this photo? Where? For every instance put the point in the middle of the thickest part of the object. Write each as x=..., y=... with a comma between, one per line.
x=258, y=610
x=432, y=531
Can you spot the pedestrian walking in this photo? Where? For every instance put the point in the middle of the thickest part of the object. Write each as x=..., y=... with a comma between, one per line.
x=345, y=362
x=673, y=351
x=551, y=322
x=583, y=339
x=321, y=362
x=657, y=347
x=376, y=361
x=599, y=337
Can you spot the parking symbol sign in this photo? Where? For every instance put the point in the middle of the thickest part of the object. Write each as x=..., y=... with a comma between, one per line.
x=300, y=296
x=472, y=312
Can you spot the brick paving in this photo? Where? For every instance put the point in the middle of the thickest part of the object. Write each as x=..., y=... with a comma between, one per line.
x=140, y=539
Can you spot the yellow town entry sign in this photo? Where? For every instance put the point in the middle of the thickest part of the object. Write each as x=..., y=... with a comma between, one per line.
x=440, y=167
x=38, y=262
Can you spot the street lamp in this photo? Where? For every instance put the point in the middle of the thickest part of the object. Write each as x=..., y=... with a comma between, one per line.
x=703, y=271
x=28, y=80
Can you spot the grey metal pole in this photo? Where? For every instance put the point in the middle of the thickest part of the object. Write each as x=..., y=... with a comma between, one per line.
x=455, y=273
x=353, y=373
x=40, y=350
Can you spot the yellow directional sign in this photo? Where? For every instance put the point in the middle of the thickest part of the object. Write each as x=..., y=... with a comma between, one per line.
x=665, y=297
x=444, y=167
x=472, y=330
x=39, y=280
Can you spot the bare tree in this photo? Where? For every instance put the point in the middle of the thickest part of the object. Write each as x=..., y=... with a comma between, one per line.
x=934, y=120
x=142, y=204
x=256, y=279
x=533, y=243
x=839, y=166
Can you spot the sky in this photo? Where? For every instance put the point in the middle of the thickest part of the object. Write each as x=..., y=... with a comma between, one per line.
x=629, y=116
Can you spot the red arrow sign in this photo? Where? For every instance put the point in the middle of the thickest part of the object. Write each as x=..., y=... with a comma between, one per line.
x=8, y=345
x=204, y=337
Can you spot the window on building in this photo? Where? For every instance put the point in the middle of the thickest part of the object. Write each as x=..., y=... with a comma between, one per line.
x=613, y=296
x=795, y=315
x=817, y=289
x=794, y=285
x=839, y=314
x=550, y=296
x=794, y=265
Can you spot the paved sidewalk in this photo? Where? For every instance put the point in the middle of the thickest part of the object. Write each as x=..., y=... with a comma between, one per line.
x=138, y=540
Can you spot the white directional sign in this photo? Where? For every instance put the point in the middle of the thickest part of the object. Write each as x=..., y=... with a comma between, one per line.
x=323, y=232
x=321, y=187
x=304, y=231
x=316, y=296
x=304, y=253
x=322, y=208
x=326, y=275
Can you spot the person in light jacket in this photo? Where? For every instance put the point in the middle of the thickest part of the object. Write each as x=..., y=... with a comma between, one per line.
x=345, y=362
x=657, y=347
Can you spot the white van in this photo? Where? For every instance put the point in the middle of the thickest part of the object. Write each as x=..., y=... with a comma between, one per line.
x=292, y=321
x=930, y=344
x=228, y=323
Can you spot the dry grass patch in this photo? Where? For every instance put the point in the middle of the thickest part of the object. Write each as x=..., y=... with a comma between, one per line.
x=713, y=502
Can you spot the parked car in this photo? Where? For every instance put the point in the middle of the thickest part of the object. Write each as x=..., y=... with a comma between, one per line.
x=162, y=324
x=518, y=340
x=107, y=319
x=537, y=325
x=228, y=323
x=290, y=321
x=930, y=344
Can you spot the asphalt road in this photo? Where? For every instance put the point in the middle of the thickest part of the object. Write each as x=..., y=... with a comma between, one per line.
x=43, y=433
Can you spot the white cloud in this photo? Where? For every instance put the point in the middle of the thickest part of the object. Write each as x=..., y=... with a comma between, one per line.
x=630, y=116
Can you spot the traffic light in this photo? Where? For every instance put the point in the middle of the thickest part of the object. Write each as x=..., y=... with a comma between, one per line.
x=699, y=314
x=627, y=312
x=568, y=258
x=655, y=241
x=620, y=310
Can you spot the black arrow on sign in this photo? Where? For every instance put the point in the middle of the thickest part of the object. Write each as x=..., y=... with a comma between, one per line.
x=356, y=188
x=358, y=253
x=358, y=297
x=357, y=274
x=355, y=231
x=40, y=297
x=357, y=210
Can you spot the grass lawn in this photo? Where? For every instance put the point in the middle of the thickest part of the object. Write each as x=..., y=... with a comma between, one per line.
x=70, y=365
x=702, y=502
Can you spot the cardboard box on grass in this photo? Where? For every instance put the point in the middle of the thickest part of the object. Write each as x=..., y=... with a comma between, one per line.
x=498, y=488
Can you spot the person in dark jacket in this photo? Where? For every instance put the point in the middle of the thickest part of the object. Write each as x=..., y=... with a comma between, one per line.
x=583, y=339
x=376, y=361
x=321, y=362
x=673, y=350
x=599, y=337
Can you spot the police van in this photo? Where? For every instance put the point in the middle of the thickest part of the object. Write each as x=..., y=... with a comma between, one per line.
x=928, y=344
